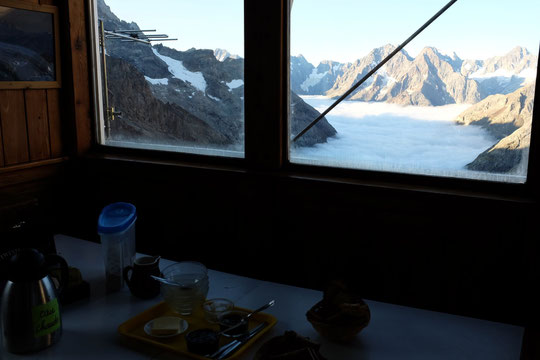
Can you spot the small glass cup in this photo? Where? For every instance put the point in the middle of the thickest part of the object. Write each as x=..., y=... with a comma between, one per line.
x=214, y=308
x=192, y=288
x=232, y=318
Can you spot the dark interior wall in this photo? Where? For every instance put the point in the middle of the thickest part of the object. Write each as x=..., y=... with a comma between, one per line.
x=463, y=255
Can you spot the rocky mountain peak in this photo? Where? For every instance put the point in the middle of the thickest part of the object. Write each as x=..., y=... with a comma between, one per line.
x=380, y=53
x=222, y=55
x=105, y=12
x=514, y=61
x=519, y=52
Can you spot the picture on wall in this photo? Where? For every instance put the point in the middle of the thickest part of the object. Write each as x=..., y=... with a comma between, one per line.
x=29, y=55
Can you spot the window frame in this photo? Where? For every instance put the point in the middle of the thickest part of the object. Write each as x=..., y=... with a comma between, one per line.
x=266, y=46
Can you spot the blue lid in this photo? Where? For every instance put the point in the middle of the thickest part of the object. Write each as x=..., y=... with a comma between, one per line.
x=116, y=217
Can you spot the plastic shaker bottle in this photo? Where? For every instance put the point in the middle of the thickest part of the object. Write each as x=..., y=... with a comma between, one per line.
x=116, y=227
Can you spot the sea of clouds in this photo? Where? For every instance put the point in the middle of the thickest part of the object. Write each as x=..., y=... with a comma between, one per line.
x=391, y=137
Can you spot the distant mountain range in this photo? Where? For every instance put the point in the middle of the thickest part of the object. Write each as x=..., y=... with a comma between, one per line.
x=501, y=89
x=431, y=78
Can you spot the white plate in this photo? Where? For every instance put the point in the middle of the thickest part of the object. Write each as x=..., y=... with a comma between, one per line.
x=182, y=326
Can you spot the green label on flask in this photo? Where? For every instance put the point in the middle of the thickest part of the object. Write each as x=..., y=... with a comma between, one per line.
x=46, y=318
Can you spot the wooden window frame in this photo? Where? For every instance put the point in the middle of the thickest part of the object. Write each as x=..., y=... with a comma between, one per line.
x=53, y=10
x=266, y=40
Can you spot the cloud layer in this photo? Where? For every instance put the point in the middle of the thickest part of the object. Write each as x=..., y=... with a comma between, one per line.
x=389, y=137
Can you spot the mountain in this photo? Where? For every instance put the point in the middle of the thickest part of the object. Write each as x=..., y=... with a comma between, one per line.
x=374, y=88
x=303, y=114
x=431, y=78
x=222, y=55
x=508, y=118
x=156, y=121
x=307, y=79
x=500, y=88
x=202, y=91
x=19, y=63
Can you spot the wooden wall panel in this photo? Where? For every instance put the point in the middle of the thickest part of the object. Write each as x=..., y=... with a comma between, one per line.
x=55, y=124
x=1, y=145
x=14, y=130
x=81, y=99
x=38, y=125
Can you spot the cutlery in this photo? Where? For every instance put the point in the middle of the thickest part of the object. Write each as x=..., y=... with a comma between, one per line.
x=229, y=348
x=246, y=318
x=166, y=281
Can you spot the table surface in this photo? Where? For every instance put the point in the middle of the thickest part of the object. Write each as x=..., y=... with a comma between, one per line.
x=394, y=332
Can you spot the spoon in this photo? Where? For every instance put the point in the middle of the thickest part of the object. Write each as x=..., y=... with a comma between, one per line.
x=265, y=306
x=246, y=318
x=168, y=282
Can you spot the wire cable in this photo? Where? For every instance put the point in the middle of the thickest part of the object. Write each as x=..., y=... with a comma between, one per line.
x=374, y=70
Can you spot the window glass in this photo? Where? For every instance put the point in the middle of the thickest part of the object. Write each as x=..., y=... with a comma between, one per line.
x=184, y=90
x=457, y=101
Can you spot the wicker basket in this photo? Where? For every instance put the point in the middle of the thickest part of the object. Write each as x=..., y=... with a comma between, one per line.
x=342, y=324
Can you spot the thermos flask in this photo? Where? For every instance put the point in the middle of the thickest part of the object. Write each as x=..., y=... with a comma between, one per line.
x=31, y=317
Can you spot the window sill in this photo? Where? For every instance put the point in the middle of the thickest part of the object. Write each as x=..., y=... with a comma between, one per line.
x=407, y=184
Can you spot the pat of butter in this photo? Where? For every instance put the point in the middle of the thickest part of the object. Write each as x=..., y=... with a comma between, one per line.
x=165, y=326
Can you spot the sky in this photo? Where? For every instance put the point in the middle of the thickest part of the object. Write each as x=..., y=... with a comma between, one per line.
x=345, y=30
x=190, y=21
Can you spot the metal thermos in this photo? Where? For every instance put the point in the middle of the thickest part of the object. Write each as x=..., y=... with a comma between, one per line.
x=30, y=306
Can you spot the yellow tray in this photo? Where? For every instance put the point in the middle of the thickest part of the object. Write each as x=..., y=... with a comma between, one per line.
x=134, y=328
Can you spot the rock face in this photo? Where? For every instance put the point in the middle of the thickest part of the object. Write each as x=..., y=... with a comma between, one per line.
x=18, y=63
x=307, y=79
x=199, y=93
x=303, y=114
x=508, y=118
x=222, y=55
x=157, y=122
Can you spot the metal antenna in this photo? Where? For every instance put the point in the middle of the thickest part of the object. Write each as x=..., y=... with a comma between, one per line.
x=381, y=64
x=124, y=35
x=136, y=36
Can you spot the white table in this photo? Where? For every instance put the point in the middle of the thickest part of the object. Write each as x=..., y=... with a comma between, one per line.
x=395, y=332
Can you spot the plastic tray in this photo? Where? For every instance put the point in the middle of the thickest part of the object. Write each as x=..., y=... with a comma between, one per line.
x=134, y=328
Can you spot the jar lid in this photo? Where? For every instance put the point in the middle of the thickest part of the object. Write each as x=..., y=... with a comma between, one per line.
x=116, y=217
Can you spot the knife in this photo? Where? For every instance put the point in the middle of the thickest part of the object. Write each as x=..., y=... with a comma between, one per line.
x=230, y=348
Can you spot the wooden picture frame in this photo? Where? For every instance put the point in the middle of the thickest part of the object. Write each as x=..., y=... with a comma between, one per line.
x=29, y=45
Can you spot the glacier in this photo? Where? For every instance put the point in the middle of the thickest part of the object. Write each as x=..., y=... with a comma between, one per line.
x=236, y=83
x=177, y=69
x=313, y=79
x=163, y=81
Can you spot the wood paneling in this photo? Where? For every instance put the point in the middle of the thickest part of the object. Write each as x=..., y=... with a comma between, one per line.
x=55, y=124
x=31, y=121
x=34, y=171
x=38, y=125
x=14, y=129
x=1, y=145
x=80, y=92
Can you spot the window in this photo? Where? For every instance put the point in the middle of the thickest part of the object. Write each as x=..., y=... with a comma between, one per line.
x=457, y=101
x=170, y=75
